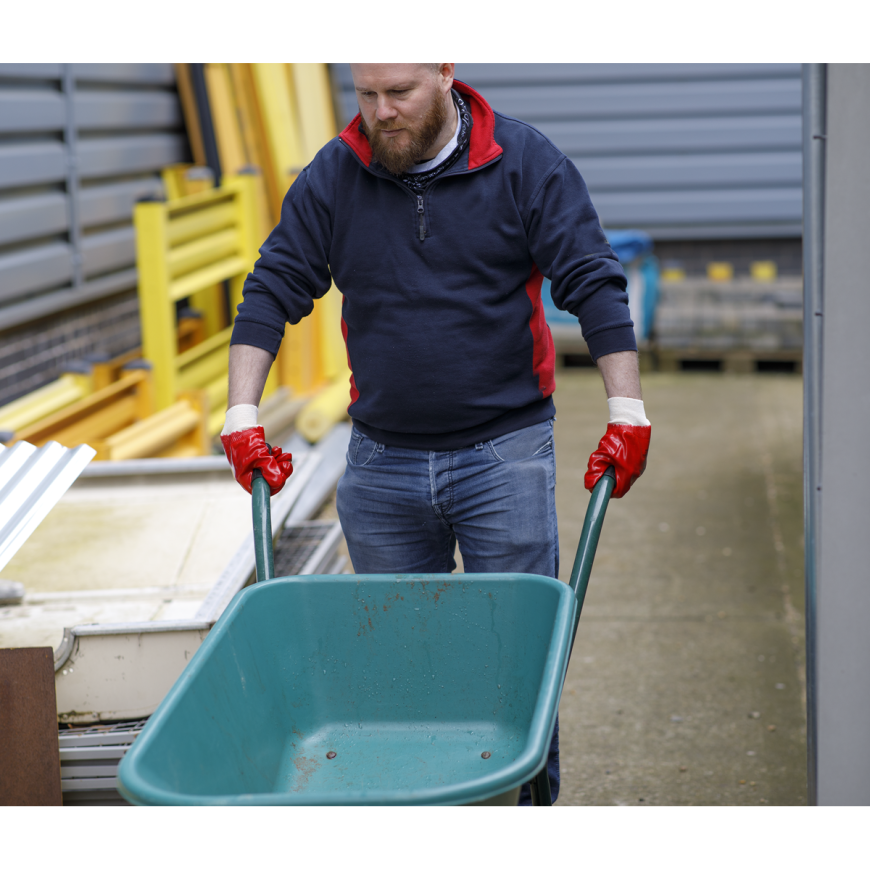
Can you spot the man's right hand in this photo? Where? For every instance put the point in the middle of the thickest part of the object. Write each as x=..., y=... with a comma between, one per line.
x=246, y=449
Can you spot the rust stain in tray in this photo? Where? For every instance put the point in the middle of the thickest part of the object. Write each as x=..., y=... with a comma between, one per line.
x=305, y=767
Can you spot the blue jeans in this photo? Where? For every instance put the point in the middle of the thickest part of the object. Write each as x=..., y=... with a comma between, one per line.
x=403, y=511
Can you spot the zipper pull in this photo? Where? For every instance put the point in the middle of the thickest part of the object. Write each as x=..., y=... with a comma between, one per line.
x=420, y=211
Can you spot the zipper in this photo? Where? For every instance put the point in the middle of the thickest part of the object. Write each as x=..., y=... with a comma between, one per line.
x=422, y=212
x=421, y=207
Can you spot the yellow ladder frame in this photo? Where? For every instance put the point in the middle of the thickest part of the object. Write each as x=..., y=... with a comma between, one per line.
x=182, y=248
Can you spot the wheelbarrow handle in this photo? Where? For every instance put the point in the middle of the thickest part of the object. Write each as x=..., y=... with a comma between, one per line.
x=589, y=536
x=261, y=513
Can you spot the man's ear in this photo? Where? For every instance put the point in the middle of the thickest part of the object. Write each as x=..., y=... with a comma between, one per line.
x=446, y=72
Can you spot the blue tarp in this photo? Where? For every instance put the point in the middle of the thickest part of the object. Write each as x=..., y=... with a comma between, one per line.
x=628, y=245
x=633, y=248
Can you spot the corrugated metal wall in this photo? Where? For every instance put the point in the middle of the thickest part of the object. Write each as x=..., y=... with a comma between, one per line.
x=684, y=151
x=79, y=144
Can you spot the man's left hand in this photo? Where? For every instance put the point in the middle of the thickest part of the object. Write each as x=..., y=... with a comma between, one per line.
x=624, y=446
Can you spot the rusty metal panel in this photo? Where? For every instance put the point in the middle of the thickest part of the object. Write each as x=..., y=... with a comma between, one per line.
x=30, y=757
x=32, y=480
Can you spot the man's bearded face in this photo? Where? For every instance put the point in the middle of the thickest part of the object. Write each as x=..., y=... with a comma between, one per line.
x=398, y=152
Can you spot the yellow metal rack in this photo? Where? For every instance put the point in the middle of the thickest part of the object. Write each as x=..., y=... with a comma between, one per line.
x=193, y=253
x=29, y=409
x=184, y=248
x=96, y=416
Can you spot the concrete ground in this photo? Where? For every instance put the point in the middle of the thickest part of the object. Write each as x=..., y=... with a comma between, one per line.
x=686, y=681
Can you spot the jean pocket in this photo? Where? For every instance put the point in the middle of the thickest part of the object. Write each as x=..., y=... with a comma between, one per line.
x=361, y=449
x=529, y=443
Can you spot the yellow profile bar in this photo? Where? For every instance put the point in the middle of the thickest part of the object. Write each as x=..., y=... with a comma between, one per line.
x=46, y=400
x=204, y=251
x=201, y=222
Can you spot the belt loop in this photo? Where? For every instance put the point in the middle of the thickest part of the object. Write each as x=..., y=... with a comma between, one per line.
x=479, y=445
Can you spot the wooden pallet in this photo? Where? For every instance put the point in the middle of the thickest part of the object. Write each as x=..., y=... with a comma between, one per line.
x=734, y=361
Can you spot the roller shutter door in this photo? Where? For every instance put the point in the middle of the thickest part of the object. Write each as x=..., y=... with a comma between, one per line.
x=79, y=145
x=684, y=151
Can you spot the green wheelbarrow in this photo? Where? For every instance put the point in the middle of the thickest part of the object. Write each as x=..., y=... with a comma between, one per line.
x=368, y=689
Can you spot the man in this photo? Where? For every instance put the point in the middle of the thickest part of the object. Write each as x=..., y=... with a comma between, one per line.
x=438, y=219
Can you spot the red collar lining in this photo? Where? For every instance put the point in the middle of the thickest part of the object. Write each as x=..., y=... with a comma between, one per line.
x=481, y=149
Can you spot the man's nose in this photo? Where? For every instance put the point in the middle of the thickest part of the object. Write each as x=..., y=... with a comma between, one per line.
x=386, y=110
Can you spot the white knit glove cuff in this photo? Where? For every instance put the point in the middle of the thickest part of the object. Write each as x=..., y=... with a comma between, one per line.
x=240, y=417
x=629, y=412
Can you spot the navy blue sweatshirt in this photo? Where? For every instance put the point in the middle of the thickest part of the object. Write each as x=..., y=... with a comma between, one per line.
x=441, y=310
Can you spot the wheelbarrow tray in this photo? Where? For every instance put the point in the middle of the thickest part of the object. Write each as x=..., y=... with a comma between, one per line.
x=428, y=689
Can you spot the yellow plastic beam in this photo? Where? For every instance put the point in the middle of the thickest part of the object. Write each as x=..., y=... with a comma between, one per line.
x=203, y=251
x=314, y=102
x=253, y=130
x=332, y=349
x=210, y=197
x=278, y=108
x=181, y=288
x=202, y=221
x=204, y=371
x=326, y=409
x=33, y=407
x=184, y=249
x=210, y=302
x=109, y=371
x=216, y=392
x=156, y=304
x=96, y=416
x=250, y=232
x=224, y=112
x=215, y=421
x=296, y=359
x=158, y=434
x=190, y=111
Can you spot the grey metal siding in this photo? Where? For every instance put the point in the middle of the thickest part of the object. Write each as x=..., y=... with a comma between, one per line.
x=79, y=144
x=32, y=70
x=680, y=150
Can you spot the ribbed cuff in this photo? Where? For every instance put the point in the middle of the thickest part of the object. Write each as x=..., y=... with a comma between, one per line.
x=614, y=340
x=257, y=335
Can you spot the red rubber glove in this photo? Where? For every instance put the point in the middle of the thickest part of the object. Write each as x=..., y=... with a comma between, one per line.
x=247, y=449
x=625, y=448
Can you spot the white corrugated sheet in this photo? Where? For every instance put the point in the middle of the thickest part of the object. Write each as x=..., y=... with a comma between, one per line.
x=32, y=480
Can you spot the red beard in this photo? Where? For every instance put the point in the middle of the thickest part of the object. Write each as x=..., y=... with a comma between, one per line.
x=398, y=159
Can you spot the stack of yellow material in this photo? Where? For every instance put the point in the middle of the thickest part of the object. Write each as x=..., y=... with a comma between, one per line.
x=110, y=406
x=185, y=249
x=262, y=123
x=270, y=120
